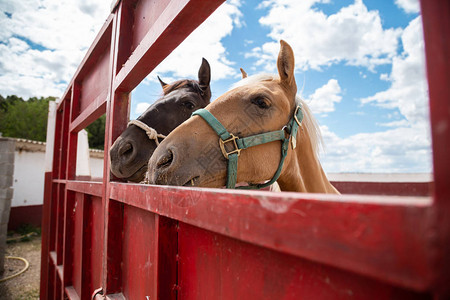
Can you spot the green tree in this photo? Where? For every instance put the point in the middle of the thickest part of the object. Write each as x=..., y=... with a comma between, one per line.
x=96, y=133
x=28, y=120
x=24, y=119
x=8, y=101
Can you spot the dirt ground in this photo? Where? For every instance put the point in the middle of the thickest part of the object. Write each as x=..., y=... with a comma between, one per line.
x=26, y=285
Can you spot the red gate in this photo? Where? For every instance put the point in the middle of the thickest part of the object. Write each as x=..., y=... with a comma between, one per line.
x=130, y=241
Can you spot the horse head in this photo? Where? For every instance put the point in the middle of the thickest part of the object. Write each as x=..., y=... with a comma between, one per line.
x=259, y=124
x=133, y=148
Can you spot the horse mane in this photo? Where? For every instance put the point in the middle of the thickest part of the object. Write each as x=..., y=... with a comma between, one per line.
x=184, y=83
x=311, y=126
x=309, y=122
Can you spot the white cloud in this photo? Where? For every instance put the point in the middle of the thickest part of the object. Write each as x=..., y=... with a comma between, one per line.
x=56, y=24
x=324, y=98
x=205, y=41
x=353, y=35
x=400, y=123
x=409, y=6
x=397, y=150
x=141, y=108
x=405, y=147
x=43, y=42
x=384, y=77
x=26, y=72
x=408, y=90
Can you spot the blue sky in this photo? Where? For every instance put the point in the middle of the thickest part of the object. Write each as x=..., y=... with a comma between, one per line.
x=357, y=82
x=359, y=65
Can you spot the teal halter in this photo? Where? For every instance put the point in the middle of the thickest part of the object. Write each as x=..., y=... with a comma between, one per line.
x=284, y=135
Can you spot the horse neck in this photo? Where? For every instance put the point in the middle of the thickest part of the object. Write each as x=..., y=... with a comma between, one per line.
x=303, y=172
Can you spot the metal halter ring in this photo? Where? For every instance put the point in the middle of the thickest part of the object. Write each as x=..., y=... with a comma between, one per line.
x=231, y=139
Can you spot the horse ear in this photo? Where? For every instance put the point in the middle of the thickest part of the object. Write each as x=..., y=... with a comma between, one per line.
x=204, y=75
x=286, y=66
x=163, y=84
x=244, y=74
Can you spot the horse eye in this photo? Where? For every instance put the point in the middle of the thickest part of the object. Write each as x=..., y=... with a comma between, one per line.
x=261, y=102
x=189, y=105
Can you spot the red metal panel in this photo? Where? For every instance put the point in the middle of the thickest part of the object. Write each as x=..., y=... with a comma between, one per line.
x=53, y=213
x=374, y=236
x=139, y=265
x=58, y=285
x=86, y=252
x=146, y=13
x=173, y=25
x=167, y=232
x=68, y=238
x=140, y=16
x=77, y=276
x=49, y=290
x=93, y=250
x=112, y=248
x=99, y=48
x=91, y=86
x=96, y=47
x=417, y=189
x=59, y=247
x=95, y=82
x=86, y=187
x=213, y=266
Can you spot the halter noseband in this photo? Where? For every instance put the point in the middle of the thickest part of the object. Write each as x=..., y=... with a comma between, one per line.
x=151, y=132
x=284, y=135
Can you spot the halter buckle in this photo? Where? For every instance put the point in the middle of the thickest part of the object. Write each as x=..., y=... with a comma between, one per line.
x=295, y=116
x=231, y=139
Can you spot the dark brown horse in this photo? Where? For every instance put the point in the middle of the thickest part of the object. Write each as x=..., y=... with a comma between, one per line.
x=133, y=148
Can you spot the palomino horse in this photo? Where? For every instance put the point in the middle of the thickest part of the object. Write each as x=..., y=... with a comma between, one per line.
x=247, y=124
x=132, y=149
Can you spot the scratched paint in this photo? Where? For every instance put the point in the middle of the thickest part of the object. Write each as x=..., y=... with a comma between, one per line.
x=278, y=206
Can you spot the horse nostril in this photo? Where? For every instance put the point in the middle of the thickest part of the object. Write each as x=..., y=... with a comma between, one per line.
x=126, y=149
x=165, y=161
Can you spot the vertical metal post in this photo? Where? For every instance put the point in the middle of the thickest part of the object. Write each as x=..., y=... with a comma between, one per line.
x=436, y=26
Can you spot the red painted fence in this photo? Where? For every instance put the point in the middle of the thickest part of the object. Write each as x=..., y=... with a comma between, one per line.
x=129, y=241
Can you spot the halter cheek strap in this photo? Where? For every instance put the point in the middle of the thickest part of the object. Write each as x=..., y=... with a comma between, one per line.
x=238, y=144
x=151, y=132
